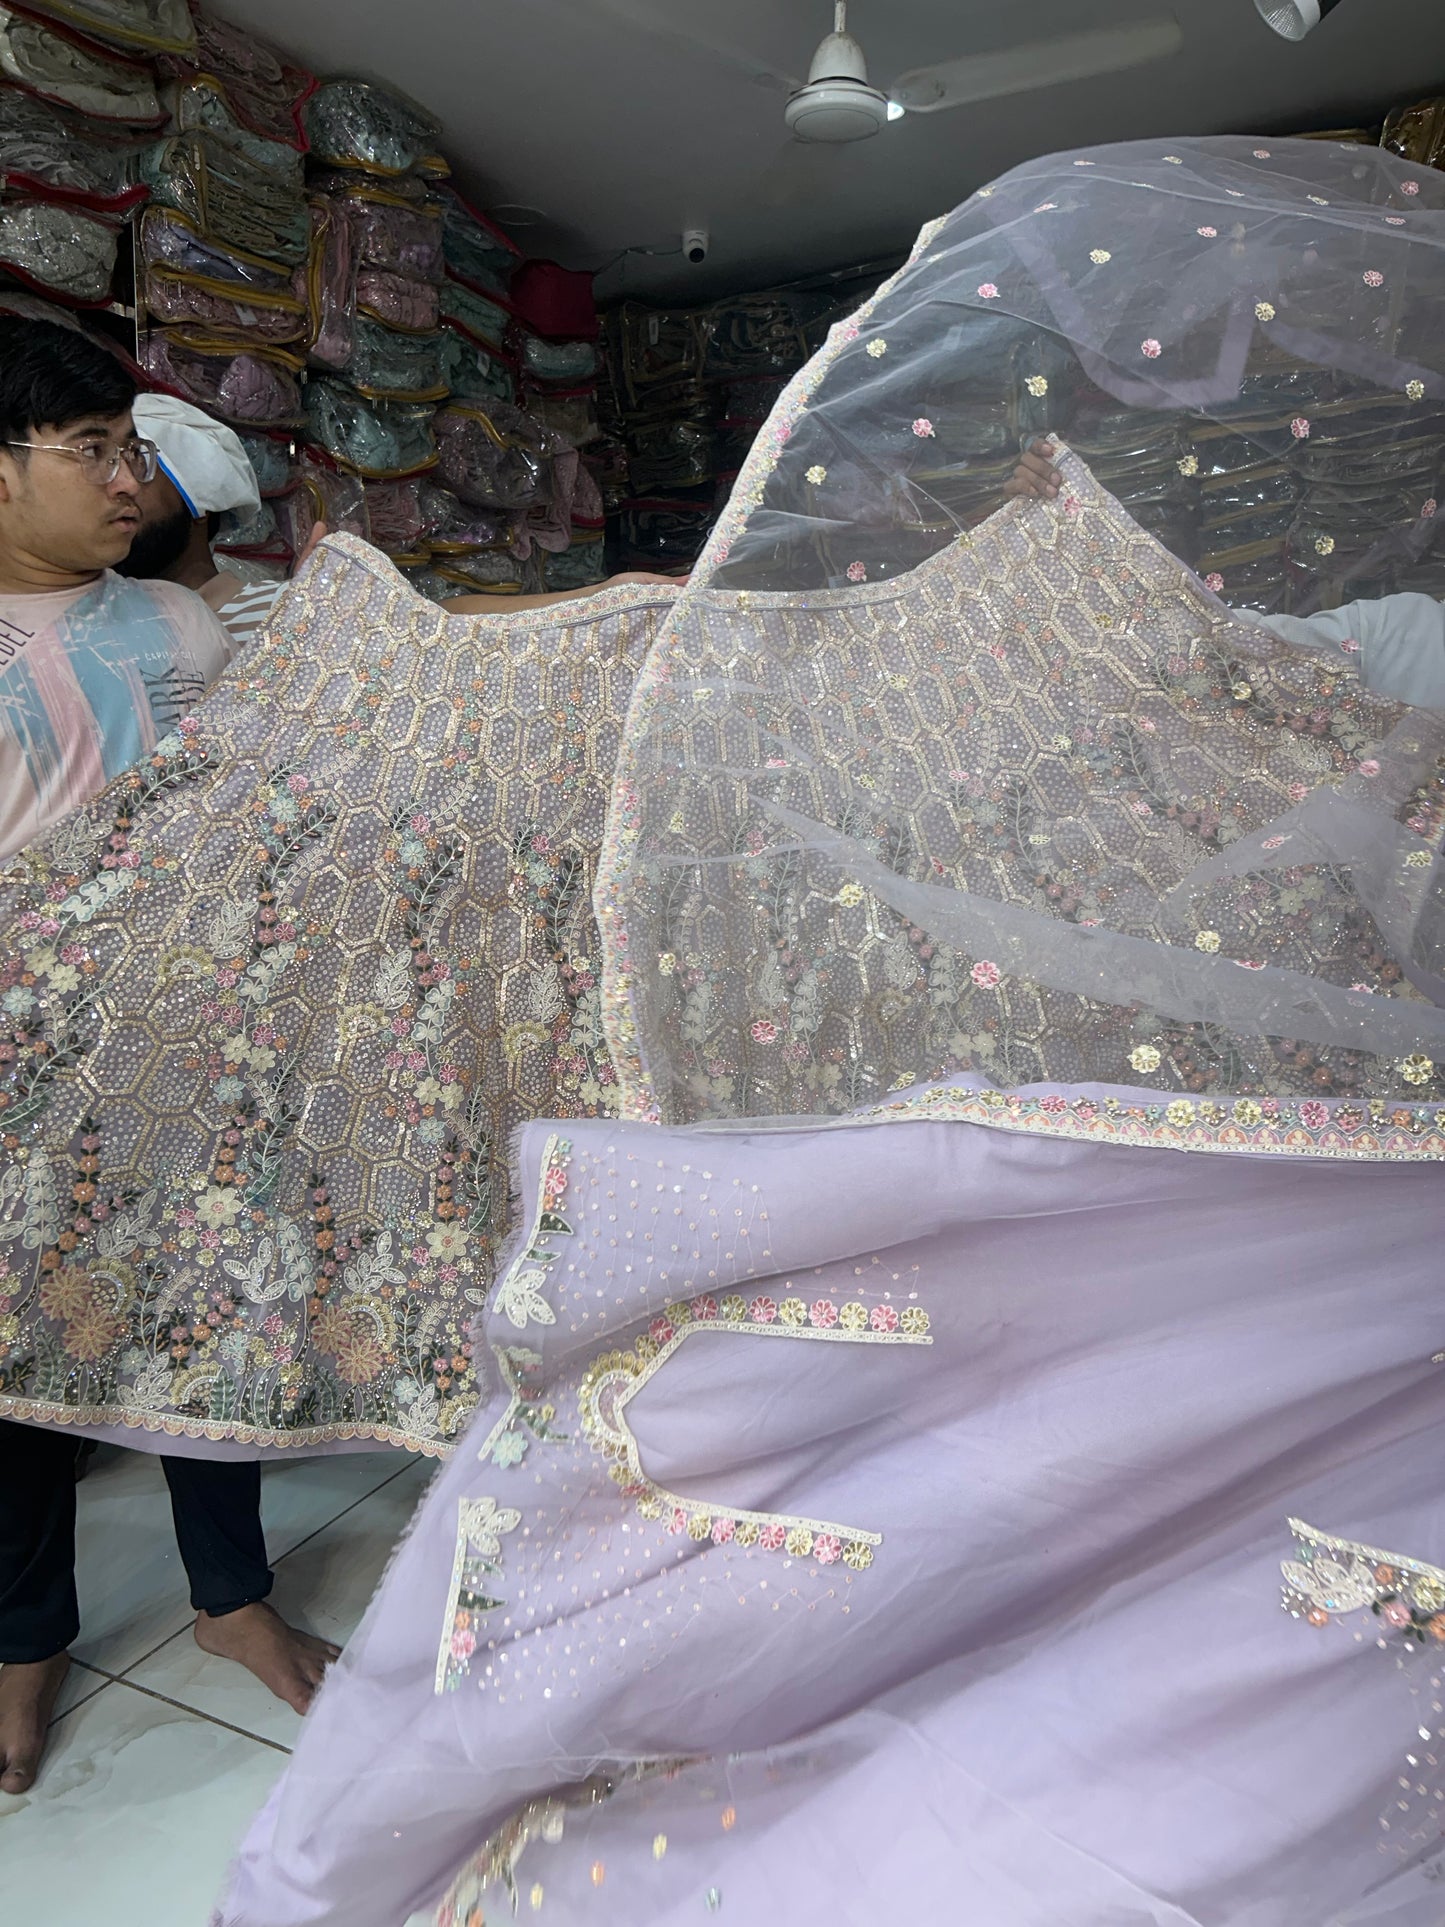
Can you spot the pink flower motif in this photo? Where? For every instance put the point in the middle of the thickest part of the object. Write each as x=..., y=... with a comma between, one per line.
x=857, y=571
x=1209, y=233
x=1053, y=1103
x=824, y=1313
x=705, y=1308
x=1248, y=963
x=827, y=1549
x=988, y=292
x=1314, y=1115
x=464, y=1643
x=1274, y=842
x=393, y=1060
x=298, y=785
x=1368, y=766
x=772, y=1537
x=722, y=1531
x=188, y=725
x=1148, y=725
x=1429, y=509
x=1214, y=581
x=1395, y=1612
x=1298, y=792
x=923, y=427
x=416, y=1061
x=1373, y=278
x=762, y=1311
x=678, y=1522
x=883, y=1318
x=1409, y=187
x=763, y=1032
x=421, y=824
x=985, y=974
x=1150, y=348
x=777, y=762
x=74, y=953
x=1394, y=220
x=660, y=1330
x=1072, y=505
x=1299, y=428
x=1261, y=153
x=1045, y=207
x=1365, y=987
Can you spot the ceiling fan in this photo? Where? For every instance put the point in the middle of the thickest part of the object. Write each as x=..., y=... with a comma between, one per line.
x=838, y=105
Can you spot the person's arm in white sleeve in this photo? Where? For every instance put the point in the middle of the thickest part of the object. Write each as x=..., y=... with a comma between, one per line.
x=1401, y=644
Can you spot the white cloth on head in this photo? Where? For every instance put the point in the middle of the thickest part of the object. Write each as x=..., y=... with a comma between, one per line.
x=203, y=458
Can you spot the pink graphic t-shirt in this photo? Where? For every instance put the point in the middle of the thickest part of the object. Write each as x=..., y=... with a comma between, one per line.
x=90, y=680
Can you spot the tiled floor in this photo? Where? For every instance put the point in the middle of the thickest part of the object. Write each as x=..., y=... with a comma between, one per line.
x=159, y=1755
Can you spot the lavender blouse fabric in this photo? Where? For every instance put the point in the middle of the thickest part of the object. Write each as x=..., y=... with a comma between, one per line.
x=887, y=1521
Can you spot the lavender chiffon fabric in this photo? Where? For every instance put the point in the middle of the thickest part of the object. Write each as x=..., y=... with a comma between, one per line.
x=982, y=1619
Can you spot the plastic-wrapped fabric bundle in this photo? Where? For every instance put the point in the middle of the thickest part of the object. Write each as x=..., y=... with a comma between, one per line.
x=255, y=533
x=387, y=365
x=576, y=567
x=59, y=66
x=573, y=417
x=393, y=232
x=323, y=493
x=270, y=457
x=652, y=350
x=416, y=514
x=377, y=439
x=474, y=374
x=253, y=389
x=58, y=249
x=675, y=452
x=562, y=363
x=494, y=458
x=354, y=123
x=147, y=26
x=661, y=533
x=330, y=283
x=200, y=102
x=265, y=92
x=227, y=198
x=1035, y=848
x=483, y=572
x=475, y=251
x=482, y=321
x=64, y=157
x=1417, y=133
x=397, y=300
x=184, y=299
x=759, y=334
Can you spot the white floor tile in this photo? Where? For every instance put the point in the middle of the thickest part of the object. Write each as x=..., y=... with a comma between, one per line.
x=323, y=1586
x=132, y=1587
x=134, y=1818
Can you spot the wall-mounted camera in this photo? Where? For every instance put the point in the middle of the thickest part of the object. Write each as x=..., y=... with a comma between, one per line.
x=694, y=245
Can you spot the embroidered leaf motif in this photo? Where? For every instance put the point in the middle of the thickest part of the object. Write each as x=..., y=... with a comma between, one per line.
x=252, y=1276
x=131, y=1230
x=520, y=1298
x=230, y=931
x=552, y=1221
x=392, y=987
x=374, y=1267
x=431, y=1018
x=484, y=1523
x=94, y=895
x=264, y=974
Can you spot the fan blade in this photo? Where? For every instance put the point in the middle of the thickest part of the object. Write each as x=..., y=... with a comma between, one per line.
x=1043, y=63
x=656, y=22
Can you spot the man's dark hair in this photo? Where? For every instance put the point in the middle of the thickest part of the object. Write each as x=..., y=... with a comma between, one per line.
x=50, y=374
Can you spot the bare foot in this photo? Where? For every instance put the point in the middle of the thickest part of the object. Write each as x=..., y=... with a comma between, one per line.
x=291, y=1663
x=27, y=1700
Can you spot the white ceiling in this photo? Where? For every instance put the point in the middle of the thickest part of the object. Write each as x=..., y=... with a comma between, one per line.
x=622, y=137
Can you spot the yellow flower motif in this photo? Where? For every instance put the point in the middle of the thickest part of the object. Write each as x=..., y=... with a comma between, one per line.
x=699, y=1527
x=914, y=1321
x=799, y=1542
x=1207, y=940
x=746, y=1534
x=1416, y=1069
x=1264, y=311
x=1324, y=545
x=877, y=347
x=898, y=682
x=1415, y=390
x=667, y=963
x=733, y=1308
x=678, y=1315
x=1241, y=692
x=1418, y=859
x=1180, y=1113
x=1428, y=1594
x=1099, y=256
x=853, y=1317
x=857, y=1555
x=1188, y=465
x=1246, y=1111
x=1037, y=385
x=1144, y=1057
x=518, y=1039
x=850, y=894
x=793, y=1311
x=817, y=475
x=448, y=1242
x=1063, y=744
x=649, y=1507
x=9, y=1328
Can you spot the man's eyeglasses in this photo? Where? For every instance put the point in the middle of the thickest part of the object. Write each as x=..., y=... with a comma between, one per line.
x=100, y=461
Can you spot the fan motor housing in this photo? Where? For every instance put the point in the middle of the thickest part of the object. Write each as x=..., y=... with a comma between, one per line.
x=836, y=110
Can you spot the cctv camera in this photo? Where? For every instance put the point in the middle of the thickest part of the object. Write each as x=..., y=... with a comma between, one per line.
x=694, y=245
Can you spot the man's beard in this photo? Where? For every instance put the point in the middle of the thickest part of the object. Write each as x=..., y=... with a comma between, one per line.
x=157, y=546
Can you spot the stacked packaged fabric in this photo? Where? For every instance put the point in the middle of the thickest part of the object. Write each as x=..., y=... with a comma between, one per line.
x=557, y=336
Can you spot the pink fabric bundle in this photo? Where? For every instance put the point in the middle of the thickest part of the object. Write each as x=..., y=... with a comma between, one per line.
x=257, y=389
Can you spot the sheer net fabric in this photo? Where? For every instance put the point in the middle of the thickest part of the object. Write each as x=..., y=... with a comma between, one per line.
x=915, y=784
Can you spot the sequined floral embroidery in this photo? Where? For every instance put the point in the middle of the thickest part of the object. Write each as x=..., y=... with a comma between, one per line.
x=519, y=1294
